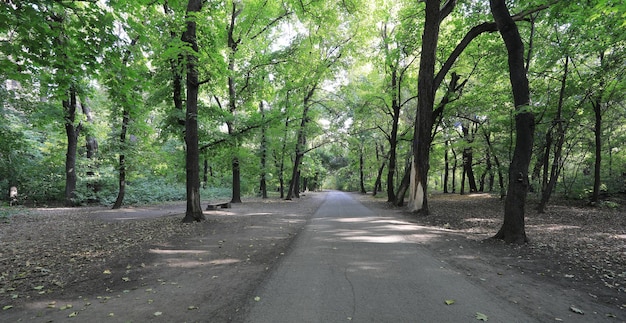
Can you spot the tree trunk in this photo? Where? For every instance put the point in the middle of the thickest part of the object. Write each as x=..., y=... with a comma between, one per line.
x=205, y=173
x=263, y=183
x=597, y=131
x=393, y=138
x=546, y=191
x=72, y=131
x=194, y=210
x=232, y=100
x=404, y=184
x=361, y=174
x=122, y=162
x=418, y=201
x=378, y=183
x=454, y=167
x=513, y=227
x=300, y=145
x=446, y=173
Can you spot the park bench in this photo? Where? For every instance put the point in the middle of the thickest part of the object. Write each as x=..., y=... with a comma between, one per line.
x=225, y=205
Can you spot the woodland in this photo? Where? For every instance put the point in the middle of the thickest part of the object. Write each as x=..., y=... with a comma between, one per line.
x=135, y=102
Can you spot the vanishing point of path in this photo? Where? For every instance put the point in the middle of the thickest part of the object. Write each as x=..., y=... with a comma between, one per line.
x=350, y=264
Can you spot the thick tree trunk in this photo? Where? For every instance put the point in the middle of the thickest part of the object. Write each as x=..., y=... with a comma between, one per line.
x=72, y=131
x=513, y=227
x=194, y=210
x=393, y=138
x=418, y=201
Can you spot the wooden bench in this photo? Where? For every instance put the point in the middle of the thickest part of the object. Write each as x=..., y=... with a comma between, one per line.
x=225, y=205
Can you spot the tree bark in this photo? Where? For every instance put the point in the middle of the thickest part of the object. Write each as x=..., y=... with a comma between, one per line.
x=513, y=227
x=263, y=183
x=72, y=131
x=393, y=138
x=194, y=210
x=596, y=102
x=550, y=184
x=122, y=162
x=378, y=183
x=418, y=198
x=361, y=173
x=446, y=172
x=300, y=145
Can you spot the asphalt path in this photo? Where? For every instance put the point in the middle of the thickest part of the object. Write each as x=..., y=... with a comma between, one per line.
x=352, y=265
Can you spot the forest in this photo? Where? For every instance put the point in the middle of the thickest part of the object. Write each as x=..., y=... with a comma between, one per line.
x=131, y=102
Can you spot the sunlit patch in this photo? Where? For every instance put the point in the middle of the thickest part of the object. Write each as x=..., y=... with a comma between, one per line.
x=225, y=261
x=483, y=195
x=620, y=236
x=263, y=213
x=184, y=263
x=178, y=251
x=555, y=227
x=379, y=239
x=481, y=220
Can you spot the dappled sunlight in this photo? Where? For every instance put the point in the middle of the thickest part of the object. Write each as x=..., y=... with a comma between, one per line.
x=225, y=261
x=620, y=236
x=379, y=239
x=481, y=220
x=178, y=251
x=185, y=263
x=380, y=230
x=554, y=227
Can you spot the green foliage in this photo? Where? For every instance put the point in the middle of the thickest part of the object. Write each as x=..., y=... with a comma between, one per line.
x=124, y=57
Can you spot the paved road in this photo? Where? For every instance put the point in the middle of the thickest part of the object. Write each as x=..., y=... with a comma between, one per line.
x=353, y=265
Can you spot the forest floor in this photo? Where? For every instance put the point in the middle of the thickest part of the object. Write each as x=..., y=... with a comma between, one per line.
x=142, y=264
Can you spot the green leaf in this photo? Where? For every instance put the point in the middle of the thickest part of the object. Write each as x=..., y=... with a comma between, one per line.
x=481, y=317
x=7, y=307
x=449, y=301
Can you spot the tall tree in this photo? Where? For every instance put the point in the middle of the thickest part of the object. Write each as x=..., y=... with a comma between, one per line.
x=194, y=210
x=426, y=98
x=513, y=227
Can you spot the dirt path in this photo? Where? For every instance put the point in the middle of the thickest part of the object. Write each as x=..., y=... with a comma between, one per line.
x=203, y=273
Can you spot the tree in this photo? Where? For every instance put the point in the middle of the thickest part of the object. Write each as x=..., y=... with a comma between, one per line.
x=426, y=88
x=513, y=228
x=194, y=210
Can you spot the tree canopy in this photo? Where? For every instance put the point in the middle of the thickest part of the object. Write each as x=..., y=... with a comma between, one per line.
x=127, y=102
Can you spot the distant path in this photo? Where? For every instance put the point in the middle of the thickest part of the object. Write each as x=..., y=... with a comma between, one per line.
x=352, y=265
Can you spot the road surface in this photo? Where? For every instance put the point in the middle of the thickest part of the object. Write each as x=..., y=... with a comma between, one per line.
x=352, y=265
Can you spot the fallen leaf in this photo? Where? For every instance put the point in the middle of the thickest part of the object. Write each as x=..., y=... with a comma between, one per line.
x=73, y=314
x=481, y=317
x=107, y=272
x=576, y=310
x=126, y=279
x=257, y=298
x=192, y=307
x=38, y=287
x=449, y=301
x=158, y=313
x=7, y=307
